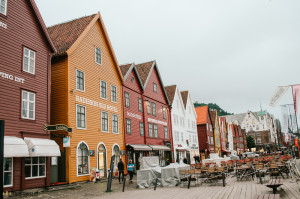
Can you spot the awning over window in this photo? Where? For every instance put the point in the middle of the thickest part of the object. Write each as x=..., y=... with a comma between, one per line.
x=15, y=147
x=140, y=147
x=42, y=147
x=160, y=148
x=181, y=148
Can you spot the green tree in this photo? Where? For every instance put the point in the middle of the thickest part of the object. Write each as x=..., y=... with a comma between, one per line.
x=250, y=142
x=215, y=106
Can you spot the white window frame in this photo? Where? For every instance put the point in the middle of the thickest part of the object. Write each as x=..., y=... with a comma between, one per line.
x=164, y=112
x=28, y=102
x=38, y=164
x=127, y=105
x=154, y=109
x=128, y=124
x=182, y=138
x=12, y=172
x=111, y=93
x=101, y=89
x=155, y=130
x=208, y=140
x=140, y=102
x=150, y=124
x=112, y=124
x=155, y=87
x=211, y=140
x=166, y=132
x=258, y=140
x=96, y=48
x=149, y=108
x=82, y=128
x=102, y=113
x=78, y=89
x=28, y=60
x=88, y=159
x=5, y=8
x=142, y=127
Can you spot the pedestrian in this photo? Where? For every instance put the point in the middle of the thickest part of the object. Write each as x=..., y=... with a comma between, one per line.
x=185, y=160
x=130, y=168
x=121, y=170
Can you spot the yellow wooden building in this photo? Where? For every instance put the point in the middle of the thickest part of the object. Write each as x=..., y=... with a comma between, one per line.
x=215, y=122
x=86, y=95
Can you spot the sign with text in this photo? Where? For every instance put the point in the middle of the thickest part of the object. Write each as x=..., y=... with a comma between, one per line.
x=134, y=115
x=66, y=142
x=11, y=77
x=95, y=103
x=157, y=121
x=57, y=127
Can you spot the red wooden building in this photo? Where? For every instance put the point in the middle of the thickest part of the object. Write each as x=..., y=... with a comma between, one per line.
x=205, y=132
x=25, y=95
x=146, y=113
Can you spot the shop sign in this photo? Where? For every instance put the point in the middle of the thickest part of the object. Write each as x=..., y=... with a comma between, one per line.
x=11, y=77
x=66, y=142
x=157, y=121
x=57, y=127
x=179, y=145
x=95, y=103
x=134, y=115
x=3, y=25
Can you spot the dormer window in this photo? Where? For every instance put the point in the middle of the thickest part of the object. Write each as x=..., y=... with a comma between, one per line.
x=3, y=6
x=154, y=87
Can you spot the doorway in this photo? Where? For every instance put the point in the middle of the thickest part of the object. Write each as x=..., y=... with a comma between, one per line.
x=102, y=160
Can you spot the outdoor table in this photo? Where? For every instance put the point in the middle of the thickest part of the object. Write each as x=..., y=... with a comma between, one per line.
x=245, y=170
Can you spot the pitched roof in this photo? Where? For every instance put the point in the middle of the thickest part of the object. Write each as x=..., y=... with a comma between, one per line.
x=202, y=116
x=42, y=24
x=236, y=117
x=170, y=90
x=184, y=95
x=144, y=70
x=65, y=34
x=124, y=68
x=213, y=116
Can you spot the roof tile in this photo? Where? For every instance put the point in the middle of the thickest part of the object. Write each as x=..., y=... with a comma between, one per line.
x=202, y=116
x=184, y=96
x=124, y=68
x=144, y=70
x=170, y=90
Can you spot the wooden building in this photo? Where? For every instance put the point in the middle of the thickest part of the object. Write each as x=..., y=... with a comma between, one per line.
x=86, y=96
x=205, y=132
x=25, y=95
x=216, y=127
x=146, y=113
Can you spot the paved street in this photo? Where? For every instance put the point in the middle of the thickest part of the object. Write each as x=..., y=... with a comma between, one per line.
x=233, y=189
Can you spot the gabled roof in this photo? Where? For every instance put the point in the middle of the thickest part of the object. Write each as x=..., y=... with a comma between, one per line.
x=145, y=70
x=170, y=90
x=202, y=114
x=236, y=117
x=125, y=68
x=184, y=95
x=67, y=36
x=42, y=24
x=213, y=116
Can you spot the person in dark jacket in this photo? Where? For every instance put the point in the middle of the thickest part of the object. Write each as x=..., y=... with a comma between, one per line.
x=185, y=160
x=121, y=169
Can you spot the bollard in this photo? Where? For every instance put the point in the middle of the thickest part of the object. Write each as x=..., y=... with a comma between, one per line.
x=155, y=184
x=223, y=178
x=124, y=181
x=189, y=181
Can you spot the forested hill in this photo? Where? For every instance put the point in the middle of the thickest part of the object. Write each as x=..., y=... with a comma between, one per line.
x=215, y=106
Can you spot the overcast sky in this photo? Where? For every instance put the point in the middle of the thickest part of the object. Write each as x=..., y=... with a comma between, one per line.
x=233, y=53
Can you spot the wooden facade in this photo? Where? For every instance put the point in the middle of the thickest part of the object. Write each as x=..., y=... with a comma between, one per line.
x=80, y=55
x=23, y=28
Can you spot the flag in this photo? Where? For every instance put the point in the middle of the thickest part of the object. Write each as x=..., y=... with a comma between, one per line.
x=296, y=96
x=278, y=94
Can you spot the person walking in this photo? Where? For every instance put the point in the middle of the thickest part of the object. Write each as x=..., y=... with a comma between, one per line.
x=121, y=170
x=130, y=168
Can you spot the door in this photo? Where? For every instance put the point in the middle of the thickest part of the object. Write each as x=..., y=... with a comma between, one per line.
x=102, y=160
x=53, y=170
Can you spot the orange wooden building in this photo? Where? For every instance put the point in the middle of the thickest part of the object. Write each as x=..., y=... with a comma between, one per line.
x=86, y=95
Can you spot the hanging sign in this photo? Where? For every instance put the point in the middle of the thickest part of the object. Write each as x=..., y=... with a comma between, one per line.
x=66, y=142
x=92, y=152
x=57, y=127
x=296, y=142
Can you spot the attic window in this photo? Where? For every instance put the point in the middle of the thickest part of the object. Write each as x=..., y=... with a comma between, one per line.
x=154, y=87
x=3, y=6
x=98, y=55
x=132, y=79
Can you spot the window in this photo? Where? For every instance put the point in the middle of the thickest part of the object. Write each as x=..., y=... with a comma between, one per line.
x=80, y=117
x=164, y=113
x=181, y=136
x=128, y=126
x=28, y=105
x=150, y=129
x=7, y=172
x=115, y=124
x=148, y=108
x=259, y=140
x=97, y=55
x=82, y=159
x=208, y=139
x=262, y=117
x=257, y=127
x=3, y=6
x=79, y=80
x=153, y=109
x=113, y=93
x=127, y=100
x=104, y=121
x=132, y=79
x=142, y=129
x=210, y=128
x=176, y=136
x=28, y=60
x=211, y=140
x=154, y=87
x=103, y=91
x=166, y=133
x=35, y=167
x=155, y=130
x=140, y=104
x=258, y=134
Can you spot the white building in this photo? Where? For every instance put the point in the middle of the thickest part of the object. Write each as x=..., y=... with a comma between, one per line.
x=184, y=129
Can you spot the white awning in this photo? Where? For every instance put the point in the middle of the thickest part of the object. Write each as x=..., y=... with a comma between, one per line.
x=140, y=147
x=160, y=148
x=15, y=147
x=180, y=148
x=42, y=147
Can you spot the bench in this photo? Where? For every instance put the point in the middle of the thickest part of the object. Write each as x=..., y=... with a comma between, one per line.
x=267, y=196
x=274, y=184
